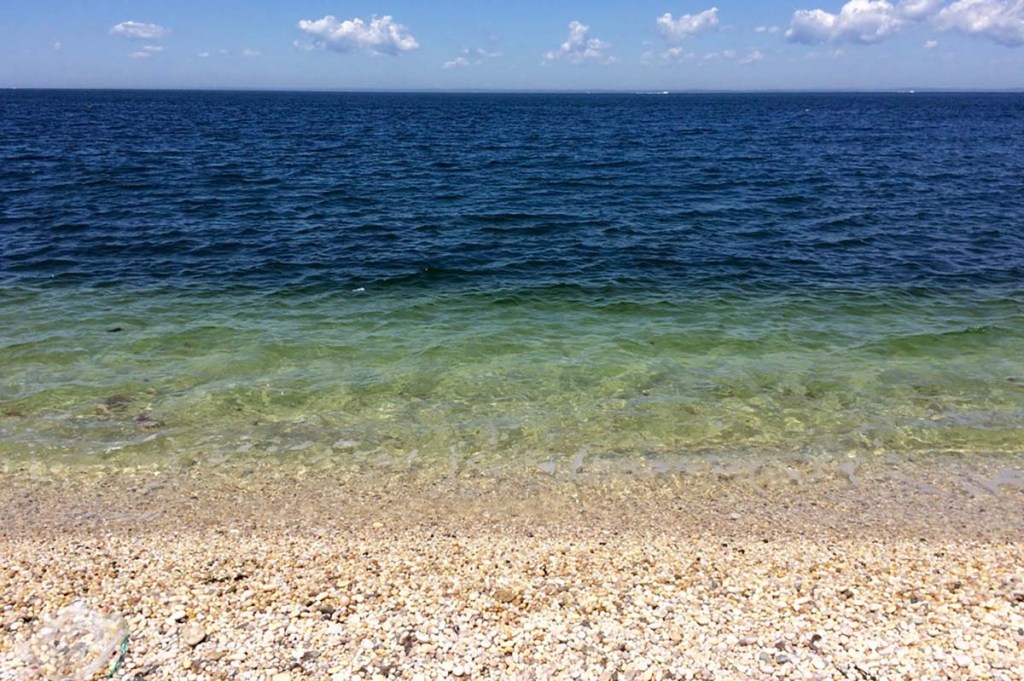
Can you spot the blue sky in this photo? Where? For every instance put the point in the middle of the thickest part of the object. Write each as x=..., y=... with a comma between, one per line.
x=526, y=44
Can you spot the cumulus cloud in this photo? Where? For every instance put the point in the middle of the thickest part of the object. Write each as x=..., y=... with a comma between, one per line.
x=250, y=53
x=752, y=58
x=579, y=49
x=915, y=10
x=860, y=21
x=469, y=57
x=137, y=30
x=382, y=35
x=998, y=20
x=677, y=30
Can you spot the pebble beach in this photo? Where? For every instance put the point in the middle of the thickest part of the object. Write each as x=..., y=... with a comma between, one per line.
x=275, y=573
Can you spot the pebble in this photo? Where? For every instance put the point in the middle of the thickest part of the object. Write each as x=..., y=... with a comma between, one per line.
x=506, y=594
x=622, y=582
x=193, y=634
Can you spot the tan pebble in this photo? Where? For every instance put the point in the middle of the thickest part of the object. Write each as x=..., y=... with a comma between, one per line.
x=506, y=594
x=193, y=634
x=962, y=660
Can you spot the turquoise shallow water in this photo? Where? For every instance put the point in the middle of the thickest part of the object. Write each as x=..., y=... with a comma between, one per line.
x=506, y=380
x=508, y=280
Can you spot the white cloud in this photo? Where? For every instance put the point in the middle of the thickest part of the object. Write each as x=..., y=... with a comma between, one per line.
x=931, y=44
x=579, y=49
x=139, y=31
x=916, y=10
x=998, y=20
x=728, y=55
x=672, y=55
x=381, y=36
x=146, y=52
x=203, y=55
x=676, y=30
x=833, y=54
x=469, y=57
x=752, y=58
x=770, y=30
x=481, y=53
x=675, y=55
x=57, y=46
x=457, y=63
x=247, y=52
x=860, y=21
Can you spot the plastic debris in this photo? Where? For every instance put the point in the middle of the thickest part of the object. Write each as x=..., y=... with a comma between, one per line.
x=77, y=644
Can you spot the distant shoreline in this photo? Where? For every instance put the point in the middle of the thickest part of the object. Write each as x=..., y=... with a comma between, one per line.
x=631, y=91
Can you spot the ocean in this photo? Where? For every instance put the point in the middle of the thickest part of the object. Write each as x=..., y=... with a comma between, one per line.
x=509, y=281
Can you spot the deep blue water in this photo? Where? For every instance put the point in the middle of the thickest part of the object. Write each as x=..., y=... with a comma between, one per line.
x=374, y=275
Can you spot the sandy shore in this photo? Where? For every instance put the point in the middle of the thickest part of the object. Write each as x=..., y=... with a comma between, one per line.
x=881, y=571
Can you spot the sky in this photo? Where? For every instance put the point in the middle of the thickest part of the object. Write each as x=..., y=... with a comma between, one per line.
x=637, y=45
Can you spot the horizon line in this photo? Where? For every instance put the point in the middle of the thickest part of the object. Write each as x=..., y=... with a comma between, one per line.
x=622, y=91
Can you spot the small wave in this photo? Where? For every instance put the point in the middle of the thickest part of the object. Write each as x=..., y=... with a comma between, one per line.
x=946, y=342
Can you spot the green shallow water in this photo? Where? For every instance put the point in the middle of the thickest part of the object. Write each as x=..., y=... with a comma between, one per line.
x=506, y=378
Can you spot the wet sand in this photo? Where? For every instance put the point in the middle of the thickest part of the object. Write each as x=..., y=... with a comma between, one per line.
x=880, y=570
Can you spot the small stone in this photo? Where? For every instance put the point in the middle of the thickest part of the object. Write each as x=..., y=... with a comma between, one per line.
x=962, y=660
x=178, y=616
x=506, y=594
x=193, y=634
x=281, y=676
